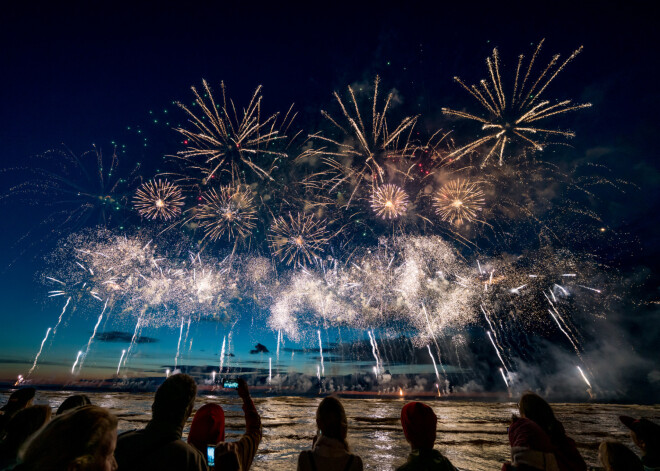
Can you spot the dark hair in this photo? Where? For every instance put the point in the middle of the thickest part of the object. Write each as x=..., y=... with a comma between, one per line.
x=71, y=402
x=537, y=409
x=331, y=419
x=174, y=399
x=19, y=399
x=616, y=456
x=73, y=439
x=22, y=425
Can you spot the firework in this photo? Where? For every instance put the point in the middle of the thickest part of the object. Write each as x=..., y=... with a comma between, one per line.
x=298, y=240
x=458, y=201
x=514, y=117
x=228, y=212
x=220, y=141
x=389, y=201
x=158, y=199
x=363, y=153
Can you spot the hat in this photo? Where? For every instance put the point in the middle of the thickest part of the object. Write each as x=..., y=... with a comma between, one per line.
x=643, y=428
x=208, y=427
x=419, y=425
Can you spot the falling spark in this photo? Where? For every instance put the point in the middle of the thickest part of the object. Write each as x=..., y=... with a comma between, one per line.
x=513, y=118
x=123, y=352
x=73, y=368
x=133, y=339
x=213, y=373
x=591, y=289
x=36, y=358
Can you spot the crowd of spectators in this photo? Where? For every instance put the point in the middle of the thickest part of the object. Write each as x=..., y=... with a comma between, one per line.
x=83, y=437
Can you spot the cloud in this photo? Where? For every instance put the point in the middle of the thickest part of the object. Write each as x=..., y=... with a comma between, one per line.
x=117, y=336
x=259, y=348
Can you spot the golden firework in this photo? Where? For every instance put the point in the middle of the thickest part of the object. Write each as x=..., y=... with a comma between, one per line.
x=458, y=201
x=363, y=153
x=158, y=199
x=298, y=240
x=227, y=212
x=221, y=141
x=513, y=118
x=389, y=201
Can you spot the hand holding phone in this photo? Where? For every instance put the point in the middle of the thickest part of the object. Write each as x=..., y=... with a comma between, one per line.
x=210, y=454
x=230, y=384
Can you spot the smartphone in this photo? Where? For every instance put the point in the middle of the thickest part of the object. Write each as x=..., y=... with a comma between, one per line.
x=210, y=454
x=230, y=384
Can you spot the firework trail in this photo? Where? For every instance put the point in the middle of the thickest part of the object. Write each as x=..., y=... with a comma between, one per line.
x=514, y=118
x=123, y=352
x=490, y=336
x=73, y=368
x=321, y=353
x=178, y=345
x=270, y=369
x=437, y=375
x=277, y=353
x=584, y=377
x=91, y=338
x=222, y=354
x=373, y=351
x=504, y=377
x=36, y=358
x=133, y=339
x=59, y=320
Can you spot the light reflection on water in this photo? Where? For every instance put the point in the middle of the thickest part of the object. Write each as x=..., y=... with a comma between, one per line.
x=471, y=434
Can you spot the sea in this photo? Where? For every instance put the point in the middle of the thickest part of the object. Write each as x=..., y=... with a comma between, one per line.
x=473, y=435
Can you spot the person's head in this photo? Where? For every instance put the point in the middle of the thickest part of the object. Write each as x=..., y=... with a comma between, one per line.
x=19, y=399
x=331, y=419
x=208, y=427
x=71, y=402
x=175, y=399
x=644, y=433
x=534, y=407
x=82, y=440
x=419, y=425
x=525, y=432
x=23, y=424
x=615, y=456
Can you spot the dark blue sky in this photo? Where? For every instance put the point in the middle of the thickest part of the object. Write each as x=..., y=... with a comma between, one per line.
x=84, y=74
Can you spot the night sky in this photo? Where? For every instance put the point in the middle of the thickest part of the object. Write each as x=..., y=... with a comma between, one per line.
x=97, y=73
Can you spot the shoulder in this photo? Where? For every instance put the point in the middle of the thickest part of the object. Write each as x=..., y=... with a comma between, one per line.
x=357, y=463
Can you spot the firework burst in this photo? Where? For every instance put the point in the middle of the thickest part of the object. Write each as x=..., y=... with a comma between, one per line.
x=227, y=212
x=221, y=140
x=458, y=201
x=514, y=117
x=363, y=154
x=158, y=199
x=298, y=240
x=389, y=201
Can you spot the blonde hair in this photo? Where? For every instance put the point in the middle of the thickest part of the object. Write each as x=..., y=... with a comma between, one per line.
x=74, y=440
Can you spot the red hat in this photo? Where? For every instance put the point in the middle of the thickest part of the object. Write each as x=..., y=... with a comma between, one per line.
x=208, y=427
x=527, y=433
x=419, y=425
x=643, y=428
